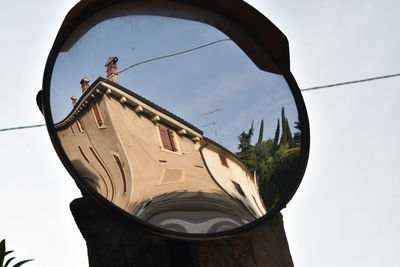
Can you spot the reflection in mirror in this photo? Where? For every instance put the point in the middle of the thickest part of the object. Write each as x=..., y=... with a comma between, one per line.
x=188, y=135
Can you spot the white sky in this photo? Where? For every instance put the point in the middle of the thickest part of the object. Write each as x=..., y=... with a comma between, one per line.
x=345, y=211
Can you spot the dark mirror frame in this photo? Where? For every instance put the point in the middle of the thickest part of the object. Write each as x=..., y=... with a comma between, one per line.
x=236, y=13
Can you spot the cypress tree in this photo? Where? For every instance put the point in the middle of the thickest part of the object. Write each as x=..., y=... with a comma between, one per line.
x=297, y=125
x=284, y=137
x=276, y=138
x=297, y=135
x=260, y=135
x=247, y=154
x=245, y=140
x=289, y=133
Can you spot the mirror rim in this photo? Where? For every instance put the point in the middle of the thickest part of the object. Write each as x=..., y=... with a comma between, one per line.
x=246, y=18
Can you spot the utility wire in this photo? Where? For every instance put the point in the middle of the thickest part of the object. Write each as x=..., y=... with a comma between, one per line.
x=127, y=68
x=205, y=45
x=174, y=54
x=306, y=89
x=22, y=127
x=351, y=82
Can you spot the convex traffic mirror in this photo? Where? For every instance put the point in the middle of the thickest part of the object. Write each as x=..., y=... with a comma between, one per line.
x=177, y=116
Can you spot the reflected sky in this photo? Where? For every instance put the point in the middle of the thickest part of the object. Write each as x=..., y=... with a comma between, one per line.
x=190, y=85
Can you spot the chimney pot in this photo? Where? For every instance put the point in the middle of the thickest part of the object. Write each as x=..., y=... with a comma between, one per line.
x=73, y=98
x=84, y=83
x=112, y=69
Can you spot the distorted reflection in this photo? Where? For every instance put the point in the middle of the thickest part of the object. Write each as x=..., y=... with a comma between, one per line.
x=160, y=167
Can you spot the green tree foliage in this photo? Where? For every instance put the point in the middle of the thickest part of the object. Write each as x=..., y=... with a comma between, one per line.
x=276, y=139
x=260, y=135
x=4, y=253
x=284, y=138
x=246, y=153
x=297, y=125
x=297, y=135
x=288, y=133
x=281, y=170
x=275, y=164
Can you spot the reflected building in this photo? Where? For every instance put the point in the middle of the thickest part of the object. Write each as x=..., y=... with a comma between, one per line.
x=153, y=164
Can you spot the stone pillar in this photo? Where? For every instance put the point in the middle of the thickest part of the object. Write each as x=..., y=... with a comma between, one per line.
x=113, y=241
x=265, y=245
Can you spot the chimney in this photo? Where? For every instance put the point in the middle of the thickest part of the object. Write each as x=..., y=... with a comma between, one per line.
x=73, y=98
x=84, y=84
x=112, y=73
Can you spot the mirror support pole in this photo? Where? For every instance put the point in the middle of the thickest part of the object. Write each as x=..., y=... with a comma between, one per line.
x=112, y=241
x=264, y=245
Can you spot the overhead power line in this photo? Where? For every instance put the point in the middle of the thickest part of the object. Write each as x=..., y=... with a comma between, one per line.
x=173, y=54
x=22, y=127
x=127, y=68
x=351, y=82
x=306, y=89
x=205, y=45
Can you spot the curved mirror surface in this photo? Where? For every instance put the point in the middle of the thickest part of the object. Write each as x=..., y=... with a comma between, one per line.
x=171, y=121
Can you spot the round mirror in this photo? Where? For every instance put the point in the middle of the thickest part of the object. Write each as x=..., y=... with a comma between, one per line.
x=175, y=123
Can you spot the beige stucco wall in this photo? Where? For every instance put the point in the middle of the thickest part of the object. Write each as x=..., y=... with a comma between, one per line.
x=101, y=167
x=170, y=181
x=149, y=161
x=235, y=172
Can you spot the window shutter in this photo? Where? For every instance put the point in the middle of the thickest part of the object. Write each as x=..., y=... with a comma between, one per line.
x=165, y=138
x=171, y=139
x=223, y=160
x=97, y=115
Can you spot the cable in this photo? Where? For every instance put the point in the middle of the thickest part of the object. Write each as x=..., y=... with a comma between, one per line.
x=22, y=127
x=127, y=68
x=174, y=54
x=182, y=52
x=351, y=82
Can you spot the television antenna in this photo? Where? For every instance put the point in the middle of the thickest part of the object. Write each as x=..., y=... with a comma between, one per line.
x=212, y=111
x=215, y=130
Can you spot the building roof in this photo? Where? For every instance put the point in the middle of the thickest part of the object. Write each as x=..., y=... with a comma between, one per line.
x=100, y=87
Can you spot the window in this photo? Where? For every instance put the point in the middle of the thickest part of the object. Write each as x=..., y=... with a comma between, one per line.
x=223, y=160
x=238, y=188
x=100, y=161
x=83, y=154
x=121, y=170
x=80, y=126
x=97, y=115
x=167, y=138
